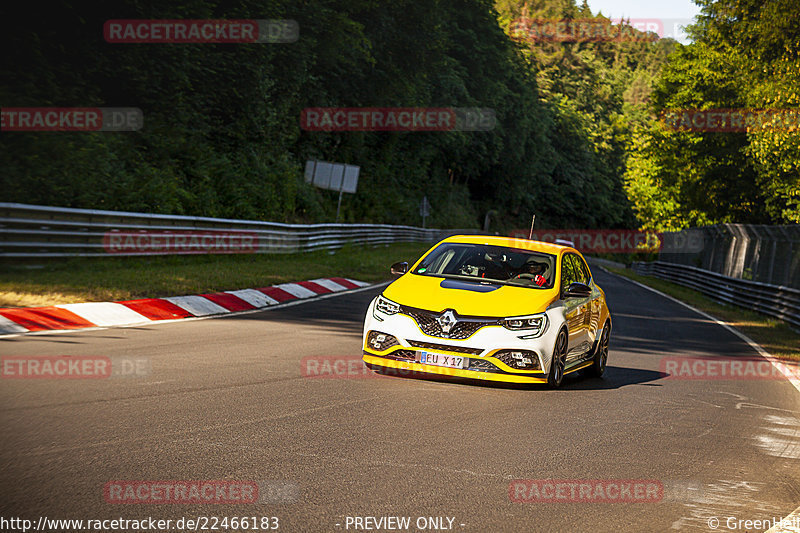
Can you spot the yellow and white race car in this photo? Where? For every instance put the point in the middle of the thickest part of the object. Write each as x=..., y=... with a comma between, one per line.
x=490, y=308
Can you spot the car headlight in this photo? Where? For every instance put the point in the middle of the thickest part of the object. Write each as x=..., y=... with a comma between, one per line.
x=386, y=306
x=533, y=325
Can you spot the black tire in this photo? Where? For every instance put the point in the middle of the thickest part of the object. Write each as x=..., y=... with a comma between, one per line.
x=556, y=374
x=600, y=353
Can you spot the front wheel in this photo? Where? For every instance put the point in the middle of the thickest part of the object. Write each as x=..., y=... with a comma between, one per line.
x=600, y=354
x=556, y=375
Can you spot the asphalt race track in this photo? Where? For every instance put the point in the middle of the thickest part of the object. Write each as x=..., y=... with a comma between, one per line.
x=225, y=399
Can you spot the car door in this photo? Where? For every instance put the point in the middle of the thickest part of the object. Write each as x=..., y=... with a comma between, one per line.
x=575, y=309
x=595, y=304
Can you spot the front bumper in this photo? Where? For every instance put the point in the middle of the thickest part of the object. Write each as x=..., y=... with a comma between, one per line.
x=483, y=349
x=410, y=368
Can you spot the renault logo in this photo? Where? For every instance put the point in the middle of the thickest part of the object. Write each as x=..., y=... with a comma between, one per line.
x=447, y=320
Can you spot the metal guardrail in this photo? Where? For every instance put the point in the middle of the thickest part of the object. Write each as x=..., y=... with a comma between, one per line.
x=769, y=254
x=32, y=231
x=772, y=300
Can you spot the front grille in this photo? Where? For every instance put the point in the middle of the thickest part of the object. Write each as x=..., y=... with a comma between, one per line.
x=465, y=327
x=482, y=366
x=446, y=347
x=402, y=355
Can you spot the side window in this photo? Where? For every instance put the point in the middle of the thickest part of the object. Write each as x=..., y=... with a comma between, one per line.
x=568, y=274
x=585, y=274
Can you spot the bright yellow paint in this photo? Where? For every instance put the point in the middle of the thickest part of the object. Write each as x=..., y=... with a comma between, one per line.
x=425, y=292
x=455, y=372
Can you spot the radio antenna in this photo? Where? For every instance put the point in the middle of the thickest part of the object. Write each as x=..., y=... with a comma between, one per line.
x=533, y=220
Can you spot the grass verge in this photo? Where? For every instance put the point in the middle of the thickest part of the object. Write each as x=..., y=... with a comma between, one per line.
x=774, y=335
x=123, y=278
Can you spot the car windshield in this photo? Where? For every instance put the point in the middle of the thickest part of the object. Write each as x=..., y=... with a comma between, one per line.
x=487, y=263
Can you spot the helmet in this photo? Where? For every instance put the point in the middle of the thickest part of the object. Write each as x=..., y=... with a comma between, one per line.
x=535, y=267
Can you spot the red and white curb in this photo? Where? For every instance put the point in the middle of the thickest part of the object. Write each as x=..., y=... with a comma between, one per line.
x=133, y=312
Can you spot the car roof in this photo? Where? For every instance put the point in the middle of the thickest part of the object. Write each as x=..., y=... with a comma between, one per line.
x=511, y=242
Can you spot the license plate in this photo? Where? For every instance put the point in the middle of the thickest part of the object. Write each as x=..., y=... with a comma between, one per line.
x=438, y=359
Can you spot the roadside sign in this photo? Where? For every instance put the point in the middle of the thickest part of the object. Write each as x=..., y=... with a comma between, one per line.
x=333, y=176
x=424, y=209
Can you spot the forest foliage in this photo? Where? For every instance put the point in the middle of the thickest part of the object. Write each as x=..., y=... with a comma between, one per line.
x=745, y=54
x=575, y=140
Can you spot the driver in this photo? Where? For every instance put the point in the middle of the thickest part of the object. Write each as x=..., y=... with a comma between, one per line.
x=534, y=271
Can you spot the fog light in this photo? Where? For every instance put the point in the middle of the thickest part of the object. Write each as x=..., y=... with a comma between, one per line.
x=381, y=341
x=519, y=359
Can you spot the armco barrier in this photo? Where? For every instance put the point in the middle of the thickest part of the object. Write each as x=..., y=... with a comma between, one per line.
x=33, y=231
x=769, y=254
x=773, y=300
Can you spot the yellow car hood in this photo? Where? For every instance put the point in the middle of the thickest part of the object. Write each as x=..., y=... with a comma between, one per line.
x=468, y=298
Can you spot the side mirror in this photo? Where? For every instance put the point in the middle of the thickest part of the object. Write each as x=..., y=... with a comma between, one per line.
x=398, y=269
x=578, y=290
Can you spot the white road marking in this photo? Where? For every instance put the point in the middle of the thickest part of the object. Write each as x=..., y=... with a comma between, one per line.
x=780, y=437
x=723, y=499
x=779, y=365
x=791, y=524
x=794, y=518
